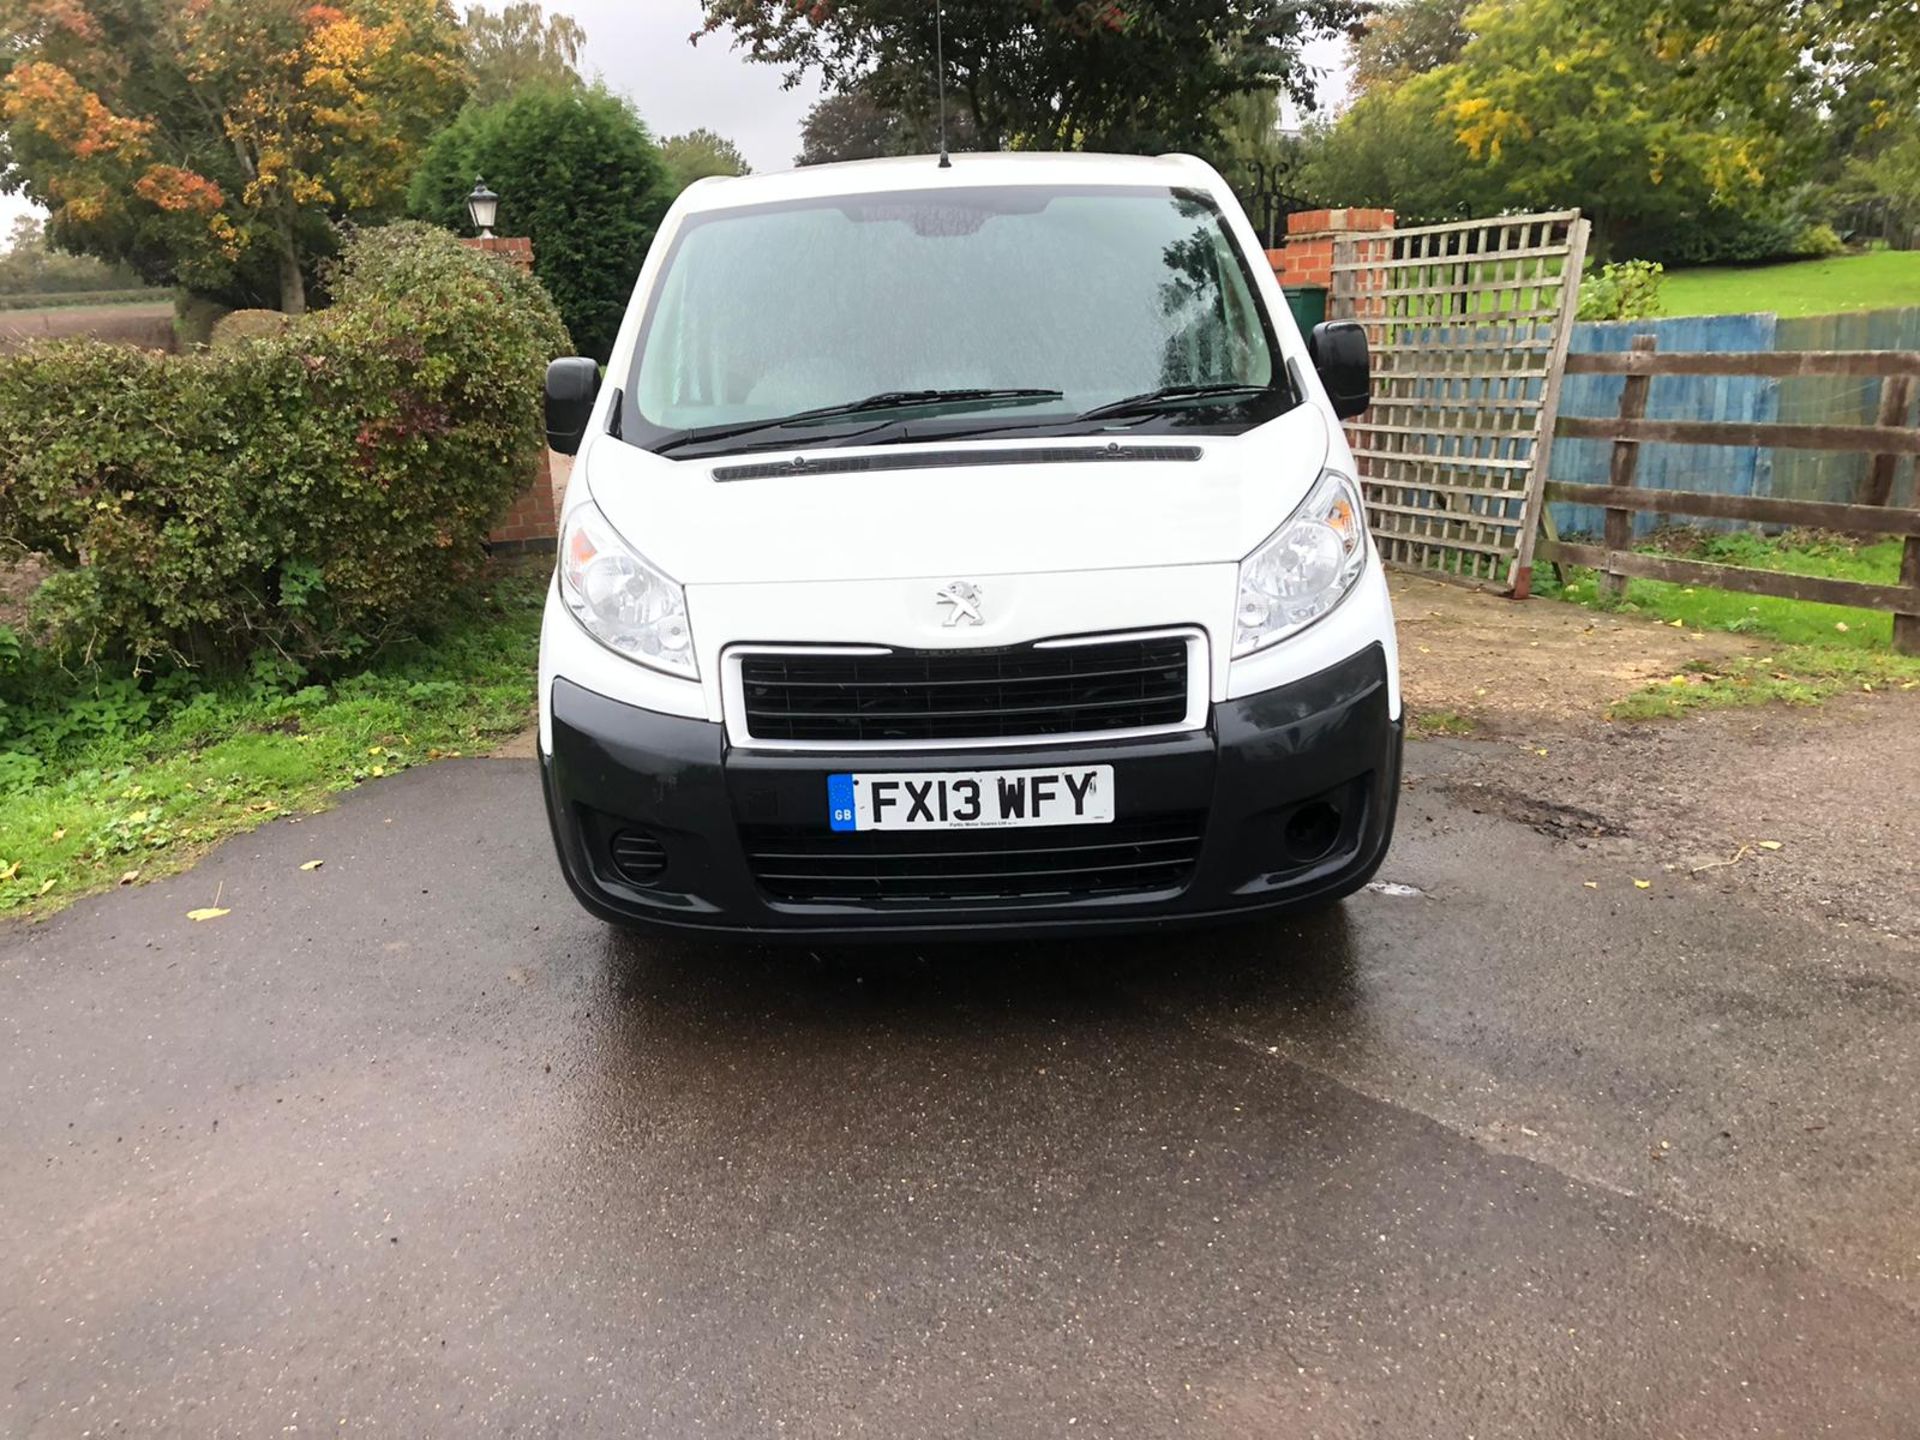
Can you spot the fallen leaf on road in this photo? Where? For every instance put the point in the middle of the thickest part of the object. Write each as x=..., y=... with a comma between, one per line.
x=209, y=912
x=1539, y=752
x=1768, y=844
x=313, y=865
x=1643, y=884
x=1591, y=884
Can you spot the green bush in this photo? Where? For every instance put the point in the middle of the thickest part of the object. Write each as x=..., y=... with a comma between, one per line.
x=309, y=496
x=577, y=174
x=1627, y=290
x=1817, y=242
x=237, y=327
x=194, y=317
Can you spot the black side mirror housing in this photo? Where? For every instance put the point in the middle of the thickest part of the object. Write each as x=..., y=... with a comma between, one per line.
x=572, y=383
x=1339, y=351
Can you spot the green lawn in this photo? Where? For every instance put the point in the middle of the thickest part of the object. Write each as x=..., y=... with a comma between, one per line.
x=111, y=784
x=1877, y=280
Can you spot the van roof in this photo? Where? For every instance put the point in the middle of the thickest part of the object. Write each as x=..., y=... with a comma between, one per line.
x=923, y=172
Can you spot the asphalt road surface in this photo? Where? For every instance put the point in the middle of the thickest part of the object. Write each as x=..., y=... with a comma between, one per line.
x=408, y=1145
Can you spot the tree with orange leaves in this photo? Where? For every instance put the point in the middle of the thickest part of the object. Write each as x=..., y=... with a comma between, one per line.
x=218, y=143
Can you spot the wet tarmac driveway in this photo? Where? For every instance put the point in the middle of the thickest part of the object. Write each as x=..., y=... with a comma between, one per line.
x=407, y=1145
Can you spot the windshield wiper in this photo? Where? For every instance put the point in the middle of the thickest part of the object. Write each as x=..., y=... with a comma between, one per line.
x=1167, y=397
x=885, y=400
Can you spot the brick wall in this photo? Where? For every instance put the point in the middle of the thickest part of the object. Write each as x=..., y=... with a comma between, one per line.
x=1307, y=257
x=531, y=523
x=514, y=249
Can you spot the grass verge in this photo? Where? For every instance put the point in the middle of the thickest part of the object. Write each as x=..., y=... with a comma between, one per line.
x=1427, y=724
x=1800, y=675
x=1824, y=649
x=1792, y=622
x=148, y=788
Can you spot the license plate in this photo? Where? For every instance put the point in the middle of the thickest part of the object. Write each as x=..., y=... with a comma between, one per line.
x=971, y=799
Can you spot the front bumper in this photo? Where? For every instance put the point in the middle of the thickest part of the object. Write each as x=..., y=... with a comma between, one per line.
x=1293, y=791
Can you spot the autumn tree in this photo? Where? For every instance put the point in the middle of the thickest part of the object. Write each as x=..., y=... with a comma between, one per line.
x=520, y=47
x=1047, y=74
x=854, y=126
x=1556, y=108
x=1553, y=104
x=218, y=143
x=1398, y=41
x=699, y=154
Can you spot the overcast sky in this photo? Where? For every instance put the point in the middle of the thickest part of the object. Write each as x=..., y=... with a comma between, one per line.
x=639, y=47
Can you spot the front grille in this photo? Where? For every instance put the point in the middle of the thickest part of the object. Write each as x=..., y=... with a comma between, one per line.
x=1017, y=693
x=971, y=867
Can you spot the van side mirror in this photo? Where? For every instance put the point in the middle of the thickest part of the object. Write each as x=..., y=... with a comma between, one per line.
x=1339, y=351
x=572, y=383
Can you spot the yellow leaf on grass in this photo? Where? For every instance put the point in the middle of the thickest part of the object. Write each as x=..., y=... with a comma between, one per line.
x=377, y=771
x=129, y=877
x=61, y=833
x=1643, y=884
x=1678, y=624
x=209, y=912
x=47, y=884
x=313, y=865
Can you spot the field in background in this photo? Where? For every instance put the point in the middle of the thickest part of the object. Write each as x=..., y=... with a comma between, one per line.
x=146, y=323
x=1879, y=280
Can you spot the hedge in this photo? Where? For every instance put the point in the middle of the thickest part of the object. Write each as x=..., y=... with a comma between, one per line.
x=312, y=494
x=74, y=299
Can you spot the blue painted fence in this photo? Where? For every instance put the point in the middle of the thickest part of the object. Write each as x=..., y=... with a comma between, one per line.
x=1727, y=469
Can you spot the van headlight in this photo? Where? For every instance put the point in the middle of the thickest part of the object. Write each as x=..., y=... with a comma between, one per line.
x=1304, y=568
x=621, y=600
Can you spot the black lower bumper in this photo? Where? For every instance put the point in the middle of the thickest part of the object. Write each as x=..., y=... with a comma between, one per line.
x=1286, y=799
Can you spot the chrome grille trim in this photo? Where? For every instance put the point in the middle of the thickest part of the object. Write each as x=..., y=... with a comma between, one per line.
x=739, y=731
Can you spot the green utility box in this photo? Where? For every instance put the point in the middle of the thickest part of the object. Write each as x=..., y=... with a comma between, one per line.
x=1308, y=304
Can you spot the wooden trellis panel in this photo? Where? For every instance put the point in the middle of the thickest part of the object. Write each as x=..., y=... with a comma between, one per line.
x=1468, y=325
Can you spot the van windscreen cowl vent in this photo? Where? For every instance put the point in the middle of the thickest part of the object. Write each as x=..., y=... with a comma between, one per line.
x=949, y=459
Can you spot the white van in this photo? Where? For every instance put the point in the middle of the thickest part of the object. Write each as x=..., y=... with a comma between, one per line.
x=967, y=548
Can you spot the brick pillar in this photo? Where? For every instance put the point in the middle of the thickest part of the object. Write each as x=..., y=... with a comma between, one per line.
x=516, y=250
x=531, y=522
x=1307, y=257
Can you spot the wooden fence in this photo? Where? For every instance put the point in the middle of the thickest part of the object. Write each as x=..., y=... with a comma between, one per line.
x=1885, y=442
x=1468, y=324
x=1794, y=399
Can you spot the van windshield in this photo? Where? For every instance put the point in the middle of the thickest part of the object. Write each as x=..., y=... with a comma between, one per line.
x=964, y=311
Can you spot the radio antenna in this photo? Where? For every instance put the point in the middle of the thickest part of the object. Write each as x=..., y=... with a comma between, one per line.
x=940, y=76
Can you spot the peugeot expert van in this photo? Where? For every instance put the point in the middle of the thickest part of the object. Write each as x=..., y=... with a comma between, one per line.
x=962, y=549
